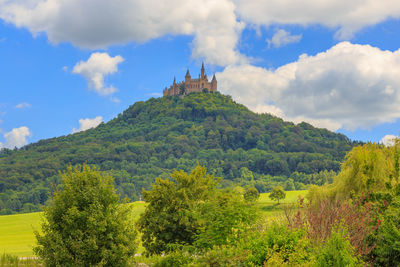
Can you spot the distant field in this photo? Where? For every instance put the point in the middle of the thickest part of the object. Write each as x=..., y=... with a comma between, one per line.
x=17, y=238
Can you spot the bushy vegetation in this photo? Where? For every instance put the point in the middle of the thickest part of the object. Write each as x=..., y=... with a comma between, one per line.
x=85, y=225
x=357, y=225
x=152, y=138
x=189, y=210
x=189, y=220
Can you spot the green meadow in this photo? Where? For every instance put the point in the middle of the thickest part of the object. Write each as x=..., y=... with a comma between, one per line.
x=17, y=237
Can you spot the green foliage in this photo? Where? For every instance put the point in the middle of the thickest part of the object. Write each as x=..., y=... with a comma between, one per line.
x=277, y=194
x=251, y=194
x=174, y=259
x=169, y=217
x=337, y=251
x=368, y=168
x=280, y=246
x=224, y=218
x=84, y=224
x=189, y=210
x=387, y=251
x=152, y=138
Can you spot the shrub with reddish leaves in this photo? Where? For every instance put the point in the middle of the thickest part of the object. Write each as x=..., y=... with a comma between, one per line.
x=321, y=216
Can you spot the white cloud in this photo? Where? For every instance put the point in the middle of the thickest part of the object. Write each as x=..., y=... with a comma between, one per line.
x=96, y=68
x=388, y=140
x=346, y=16
x=155, y=94
x=282, y=37
x=17, y=137
x=23, y=105
x=85, y=124
x=100, y=23
x=350, y=86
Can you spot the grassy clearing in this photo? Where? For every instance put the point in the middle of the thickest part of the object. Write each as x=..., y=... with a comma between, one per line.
x=17, y=238
x=271, y=209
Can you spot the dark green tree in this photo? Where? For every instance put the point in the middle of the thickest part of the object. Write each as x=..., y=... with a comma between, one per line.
x=277, y=194
x=170, y=216
x=84, y=224
x=251, y=194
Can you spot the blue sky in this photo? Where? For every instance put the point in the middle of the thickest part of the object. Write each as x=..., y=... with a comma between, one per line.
x=67, y=65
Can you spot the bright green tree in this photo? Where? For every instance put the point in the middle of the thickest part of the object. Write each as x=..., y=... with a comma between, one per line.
x=84, y=224
x=170, y=216
x=277, y=194
x=225, y=218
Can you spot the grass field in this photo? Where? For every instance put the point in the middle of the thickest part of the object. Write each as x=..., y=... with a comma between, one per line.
x=17, y=238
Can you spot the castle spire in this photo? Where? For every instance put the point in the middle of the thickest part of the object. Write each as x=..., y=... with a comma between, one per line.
x=202, y=70
x=214, y=79
x=187, y=73
x=174, y=80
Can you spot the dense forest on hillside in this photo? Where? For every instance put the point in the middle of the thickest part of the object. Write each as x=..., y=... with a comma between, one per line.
x=152, y=138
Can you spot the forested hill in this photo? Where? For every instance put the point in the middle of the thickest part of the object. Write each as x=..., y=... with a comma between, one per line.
x=151, y=138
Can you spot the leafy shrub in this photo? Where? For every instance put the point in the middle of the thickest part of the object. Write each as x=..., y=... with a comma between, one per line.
x=173, y=259
x=387, y=251
x=226, y=218
x=280, y=245
x=322, y=216
x=337, y=251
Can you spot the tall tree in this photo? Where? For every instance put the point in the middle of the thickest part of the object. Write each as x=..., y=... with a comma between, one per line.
x=169, y=216
x=85, y=225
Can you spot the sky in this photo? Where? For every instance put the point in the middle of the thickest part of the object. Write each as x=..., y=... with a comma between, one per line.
x=68, y=65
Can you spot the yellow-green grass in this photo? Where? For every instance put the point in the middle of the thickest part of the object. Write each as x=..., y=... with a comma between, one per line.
x=17, y=238
x=271, y=208
x=16, y=231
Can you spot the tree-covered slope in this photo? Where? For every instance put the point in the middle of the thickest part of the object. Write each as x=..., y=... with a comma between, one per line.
x=151, y=138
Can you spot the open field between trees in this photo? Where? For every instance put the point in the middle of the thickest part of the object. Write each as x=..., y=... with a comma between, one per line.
x=17, y=237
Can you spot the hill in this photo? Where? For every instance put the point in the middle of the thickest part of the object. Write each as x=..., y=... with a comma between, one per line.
x=152, y=138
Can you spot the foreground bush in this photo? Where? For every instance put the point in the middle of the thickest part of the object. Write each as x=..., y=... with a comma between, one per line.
x=85, y=225
x=190, y=210
x=337, y=251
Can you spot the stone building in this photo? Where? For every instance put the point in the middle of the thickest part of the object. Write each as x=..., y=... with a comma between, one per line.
x=190, y=85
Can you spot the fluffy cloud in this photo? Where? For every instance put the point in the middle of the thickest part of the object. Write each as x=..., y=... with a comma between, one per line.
x=17, y=137
x=347, y=16
x=100, y=23
x=95, y=68
x=388, y=140
x=23, y=105
x=282, y=37
x=85, y=124
x=350, y=86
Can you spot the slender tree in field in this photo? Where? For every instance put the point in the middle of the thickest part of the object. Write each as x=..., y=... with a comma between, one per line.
x=277, y=193
x=85, y=225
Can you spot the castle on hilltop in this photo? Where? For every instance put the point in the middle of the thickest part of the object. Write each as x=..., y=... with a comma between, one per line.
x=192, y=85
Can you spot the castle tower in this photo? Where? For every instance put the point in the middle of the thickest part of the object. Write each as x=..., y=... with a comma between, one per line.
x=202, y=71
x=187, y=77
x=214, y=84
